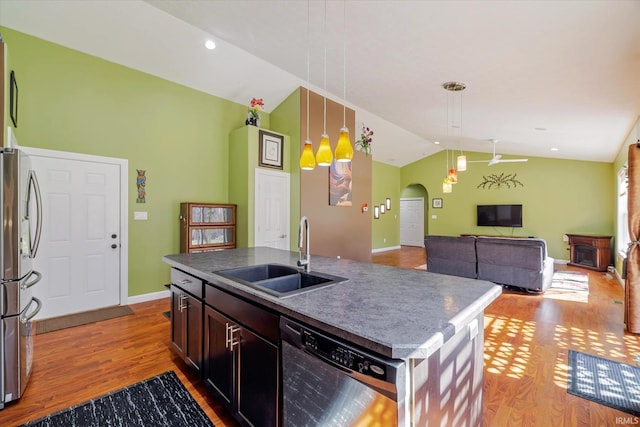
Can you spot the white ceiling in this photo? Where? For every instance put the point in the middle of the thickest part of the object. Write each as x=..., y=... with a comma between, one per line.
x=571, y=68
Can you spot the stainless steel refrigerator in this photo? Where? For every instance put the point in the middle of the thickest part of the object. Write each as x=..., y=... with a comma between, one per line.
x=21, y=219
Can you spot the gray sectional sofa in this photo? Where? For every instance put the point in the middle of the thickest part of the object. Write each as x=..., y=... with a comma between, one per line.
x=519, y=262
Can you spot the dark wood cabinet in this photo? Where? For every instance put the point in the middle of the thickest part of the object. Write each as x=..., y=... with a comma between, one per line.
x=590, y=251
x=207, y=227
x=186, y=318
x=219, y=359
x=241, y=367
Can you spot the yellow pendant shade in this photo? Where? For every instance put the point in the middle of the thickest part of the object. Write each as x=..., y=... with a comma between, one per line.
x=446, y=186
x=307, y=159
x=324, y=156
x=344, y=150
x=462, y=163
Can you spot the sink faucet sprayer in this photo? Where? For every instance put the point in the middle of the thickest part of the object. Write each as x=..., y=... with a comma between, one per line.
x=306, y=260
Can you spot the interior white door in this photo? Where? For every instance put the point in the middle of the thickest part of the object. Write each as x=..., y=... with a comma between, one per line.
x=79, y=255
x=272, y=209
x=412, y=221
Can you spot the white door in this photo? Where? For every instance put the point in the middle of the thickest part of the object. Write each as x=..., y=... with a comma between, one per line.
x=412, y=221
x=80, y=249
x=272, y=209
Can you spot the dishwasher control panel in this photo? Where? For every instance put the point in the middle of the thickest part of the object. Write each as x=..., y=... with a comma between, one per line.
x=342, y=355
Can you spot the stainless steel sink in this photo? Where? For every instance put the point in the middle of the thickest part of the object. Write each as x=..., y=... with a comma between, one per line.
x=279, y=280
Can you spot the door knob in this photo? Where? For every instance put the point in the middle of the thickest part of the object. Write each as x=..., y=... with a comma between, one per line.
x=114, y=246
x=113, y=236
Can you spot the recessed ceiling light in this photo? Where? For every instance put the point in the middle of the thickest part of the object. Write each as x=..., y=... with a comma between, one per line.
x=210, y=44
x=555, y=149
x=436, y=142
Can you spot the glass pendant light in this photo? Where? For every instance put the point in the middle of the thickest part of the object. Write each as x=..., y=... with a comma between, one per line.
x=454, y=87
x=307, y=159
x=447, y=181
x=344, y=150
x=446, y=186
x=452, y=174
x=462, y=163
x=324, y=156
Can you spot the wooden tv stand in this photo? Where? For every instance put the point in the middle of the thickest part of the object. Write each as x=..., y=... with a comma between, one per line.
x=590, y=251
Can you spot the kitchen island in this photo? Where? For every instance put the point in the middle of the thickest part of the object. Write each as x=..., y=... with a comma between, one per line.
x=432, y=322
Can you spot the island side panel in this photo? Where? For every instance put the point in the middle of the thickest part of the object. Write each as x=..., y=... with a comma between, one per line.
x=448, y=386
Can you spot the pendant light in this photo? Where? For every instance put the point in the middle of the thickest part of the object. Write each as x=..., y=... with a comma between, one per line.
x=307, y=159
x=324, y=156
x=446, y=182
x=454, y=87
x=344, y=150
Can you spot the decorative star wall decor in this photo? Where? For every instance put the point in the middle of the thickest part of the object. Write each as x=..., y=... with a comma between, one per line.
x=499, y=181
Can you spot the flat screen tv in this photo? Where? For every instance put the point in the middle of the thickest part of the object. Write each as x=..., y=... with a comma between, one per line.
x=499, y=215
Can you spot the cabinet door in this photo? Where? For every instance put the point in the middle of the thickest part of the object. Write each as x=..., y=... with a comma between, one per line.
x=193, y=332
x=258, y=380
x=219, y=363
x=177, y=321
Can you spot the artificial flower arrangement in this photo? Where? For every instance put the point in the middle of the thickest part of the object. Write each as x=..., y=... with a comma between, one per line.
x=253, y=117
x=365, y=140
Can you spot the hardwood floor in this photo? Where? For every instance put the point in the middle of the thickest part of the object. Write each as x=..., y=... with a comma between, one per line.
x=527, y=338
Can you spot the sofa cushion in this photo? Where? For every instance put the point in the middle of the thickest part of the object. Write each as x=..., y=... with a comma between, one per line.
x=451, y=255
x=513, y=261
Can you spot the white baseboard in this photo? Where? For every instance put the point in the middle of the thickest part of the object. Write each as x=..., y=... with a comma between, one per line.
x=560, y=261
x=389, y=248
x=148, y=297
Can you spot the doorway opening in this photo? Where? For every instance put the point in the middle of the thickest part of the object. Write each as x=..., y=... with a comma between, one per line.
x=414, y=213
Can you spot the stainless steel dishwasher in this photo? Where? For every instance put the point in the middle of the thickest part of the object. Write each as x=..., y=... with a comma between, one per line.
x=328, y=382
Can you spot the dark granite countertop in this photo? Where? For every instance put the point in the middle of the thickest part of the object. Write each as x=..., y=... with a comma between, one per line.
x=399, y=313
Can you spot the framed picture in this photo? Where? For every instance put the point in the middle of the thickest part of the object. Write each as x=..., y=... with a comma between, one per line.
x=13, y=99
x=271, y=150
x=436, y=203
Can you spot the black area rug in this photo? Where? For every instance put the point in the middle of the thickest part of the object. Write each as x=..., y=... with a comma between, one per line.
x=609, y=383
x=159, y=401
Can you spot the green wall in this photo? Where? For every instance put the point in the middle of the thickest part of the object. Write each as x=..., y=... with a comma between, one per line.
x=558, y=197
x=285, y=118
x=71, y=101
x=386, y=183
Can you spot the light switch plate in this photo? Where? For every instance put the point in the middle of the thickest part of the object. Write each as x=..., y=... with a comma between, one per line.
x=140, y=216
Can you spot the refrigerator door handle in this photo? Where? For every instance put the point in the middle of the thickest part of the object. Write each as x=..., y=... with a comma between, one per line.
x=24, y=318
x=36, y=280
x=36, y=241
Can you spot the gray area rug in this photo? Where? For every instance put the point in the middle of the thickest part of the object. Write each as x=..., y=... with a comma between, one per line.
x=604, y=381
x=76, y=319
x=159, y=401
x=574, y=281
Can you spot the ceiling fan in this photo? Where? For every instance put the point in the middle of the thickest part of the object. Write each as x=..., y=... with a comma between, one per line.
x=497, y=158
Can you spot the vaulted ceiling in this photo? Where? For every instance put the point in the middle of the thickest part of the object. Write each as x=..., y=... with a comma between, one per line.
x=539, y=74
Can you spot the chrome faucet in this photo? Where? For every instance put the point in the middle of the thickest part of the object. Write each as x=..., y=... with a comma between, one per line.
x=306, y=260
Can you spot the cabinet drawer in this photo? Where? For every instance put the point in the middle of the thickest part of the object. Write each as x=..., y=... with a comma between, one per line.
x=187, y=282
x=246, y=314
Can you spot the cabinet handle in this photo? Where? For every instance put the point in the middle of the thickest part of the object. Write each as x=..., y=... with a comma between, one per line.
x=230, y=340
x=184, y=281
x=226, y=334
x=182, y=303
x=235, y=340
